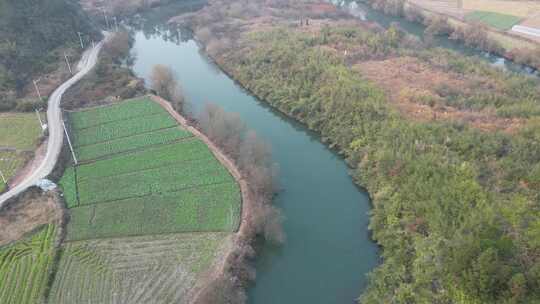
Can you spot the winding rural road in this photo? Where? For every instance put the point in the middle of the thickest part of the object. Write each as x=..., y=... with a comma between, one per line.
x=54, y=120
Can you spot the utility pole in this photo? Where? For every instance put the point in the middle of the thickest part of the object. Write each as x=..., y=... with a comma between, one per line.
x=116, y=23
x=106, y=19
x=93, y=44
x=40, y=121
x=67, y=61
x=69, y=142
x=37, y=89
x=80, y=40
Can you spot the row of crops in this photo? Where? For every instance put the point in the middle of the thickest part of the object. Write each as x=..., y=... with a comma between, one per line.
x=25, y=267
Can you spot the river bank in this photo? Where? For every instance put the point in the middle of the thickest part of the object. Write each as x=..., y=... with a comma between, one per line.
x=396, y=153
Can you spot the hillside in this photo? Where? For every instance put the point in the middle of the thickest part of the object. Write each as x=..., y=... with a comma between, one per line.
x=32, y=33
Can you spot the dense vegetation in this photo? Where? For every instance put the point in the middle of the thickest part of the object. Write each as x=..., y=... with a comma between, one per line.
x=30, y=32
x=455, y=209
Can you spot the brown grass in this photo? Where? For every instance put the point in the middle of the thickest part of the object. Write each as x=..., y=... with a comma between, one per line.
x=408, y=81
x=29, y=211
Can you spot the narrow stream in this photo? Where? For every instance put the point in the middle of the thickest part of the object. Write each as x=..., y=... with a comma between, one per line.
x=328, y=251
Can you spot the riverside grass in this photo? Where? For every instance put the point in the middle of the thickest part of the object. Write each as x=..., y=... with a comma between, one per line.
x=155, y=180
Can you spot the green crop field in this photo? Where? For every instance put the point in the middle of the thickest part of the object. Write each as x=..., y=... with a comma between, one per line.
x=25, y=267
x=151, y=269
x=90, y=152
x=125, y=110
x=190, y=149
x=153, y=182
x=19, y=131
x=499, y=21
x=122, y=128
x=199, y=209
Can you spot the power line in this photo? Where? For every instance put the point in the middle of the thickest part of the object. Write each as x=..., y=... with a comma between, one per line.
x=67, y=61
x=80, y=40
x=69, y=142
x=37, y=89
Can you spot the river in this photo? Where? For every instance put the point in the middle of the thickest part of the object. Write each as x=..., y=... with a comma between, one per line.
x=328, y=249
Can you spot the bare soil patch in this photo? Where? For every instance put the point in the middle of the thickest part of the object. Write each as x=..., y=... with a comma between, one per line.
x=26, y=213
x=411, y=86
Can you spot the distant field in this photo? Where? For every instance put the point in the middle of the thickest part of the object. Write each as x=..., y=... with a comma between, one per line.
x=25, y=266
x=151, y=269
x=515, y=8
x=19, y=130
x=499, y=21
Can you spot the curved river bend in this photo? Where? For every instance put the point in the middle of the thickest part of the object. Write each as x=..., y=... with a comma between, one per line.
x=328, y=251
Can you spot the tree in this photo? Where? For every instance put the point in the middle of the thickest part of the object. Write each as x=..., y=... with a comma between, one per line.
x=164, y=82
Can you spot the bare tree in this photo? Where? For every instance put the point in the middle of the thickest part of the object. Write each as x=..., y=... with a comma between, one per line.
x=164, y=82
x=118, y=47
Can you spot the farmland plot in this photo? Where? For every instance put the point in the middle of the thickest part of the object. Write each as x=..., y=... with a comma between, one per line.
x=202, y=209
x=159, y=156
x=499, y=21
x=164, y=136
x=25, y=267
x=151, y=269
x=122, y=128
x=125, y=110
x=149, y=204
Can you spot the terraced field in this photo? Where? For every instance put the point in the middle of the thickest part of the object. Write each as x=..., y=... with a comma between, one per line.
x=25, y=267
x=149, y=207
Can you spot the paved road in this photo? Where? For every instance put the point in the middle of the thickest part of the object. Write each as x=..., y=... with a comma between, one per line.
x=56, y=131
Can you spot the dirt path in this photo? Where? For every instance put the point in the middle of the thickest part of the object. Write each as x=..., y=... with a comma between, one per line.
x=219, y=266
